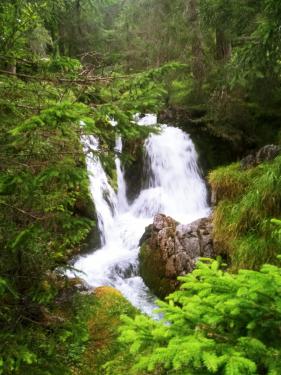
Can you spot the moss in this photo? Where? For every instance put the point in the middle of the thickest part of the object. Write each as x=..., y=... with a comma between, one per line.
x=248, y=200
x=104, y=310
x=152, y=270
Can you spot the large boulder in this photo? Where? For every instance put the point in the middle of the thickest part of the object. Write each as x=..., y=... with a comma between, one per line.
x=169, y=250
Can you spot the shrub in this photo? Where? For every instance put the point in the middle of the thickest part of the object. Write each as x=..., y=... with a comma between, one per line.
x=218, y=323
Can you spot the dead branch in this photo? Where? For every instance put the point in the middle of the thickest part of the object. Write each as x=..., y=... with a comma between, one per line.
x=58, y=80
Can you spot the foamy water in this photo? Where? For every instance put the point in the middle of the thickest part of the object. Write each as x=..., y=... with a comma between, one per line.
x=173, y=187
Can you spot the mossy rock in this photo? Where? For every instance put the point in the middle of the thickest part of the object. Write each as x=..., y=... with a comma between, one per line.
x=85, y=207
x=134, y=167
x=152, y=270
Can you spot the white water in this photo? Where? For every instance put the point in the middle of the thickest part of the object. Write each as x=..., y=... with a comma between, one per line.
x=173, y=187
x=121, y=193
x=102, y=193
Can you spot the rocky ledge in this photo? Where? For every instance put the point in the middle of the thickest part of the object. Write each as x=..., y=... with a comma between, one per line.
x=170, y=249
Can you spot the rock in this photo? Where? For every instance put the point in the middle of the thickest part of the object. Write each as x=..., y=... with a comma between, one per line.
x=169, y=250
x=248, y=162
x=147, y=234
x=86, y=208
x=266, y=153
x=134, y=168
x=161, y=221
x=79, y=284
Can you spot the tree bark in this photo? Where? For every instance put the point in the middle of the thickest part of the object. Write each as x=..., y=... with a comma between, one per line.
x=223, y=46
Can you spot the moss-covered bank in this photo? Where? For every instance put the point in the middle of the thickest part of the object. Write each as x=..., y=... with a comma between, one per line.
x=102, y=313
x=247, y=202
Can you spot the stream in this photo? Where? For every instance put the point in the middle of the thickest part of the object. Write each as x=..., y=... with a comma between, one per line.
x=173, y=187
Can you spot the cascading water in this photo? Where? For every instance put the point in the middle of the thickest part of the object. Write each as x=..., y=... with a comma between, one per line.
x=121, y=194
x=101, y=191
x=173, y=187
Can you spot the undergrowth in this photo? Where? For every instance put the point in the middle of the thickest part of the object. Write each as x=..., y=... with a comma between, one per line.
x=103, y=311
x=247, y=201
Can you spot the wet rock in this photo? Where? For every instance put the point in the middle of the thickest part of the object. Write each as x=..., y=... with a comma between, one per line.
x=169, y=250
x=266, y=153
x=134, y=168
x=86, y=208
x=147, y=234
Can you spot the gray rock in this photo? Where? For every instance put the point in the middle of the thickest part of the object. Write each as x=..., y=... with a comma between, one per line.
x=171, y=250
x=266, y=153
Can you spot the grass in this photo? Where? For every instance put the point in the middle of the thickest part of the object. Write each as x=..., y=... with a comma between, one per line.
x=247, y=201
x=228, y=183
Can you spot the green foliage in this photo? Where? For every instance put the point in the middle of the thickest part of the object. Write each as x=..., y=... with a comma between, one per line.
x=19, y=20
x=43, y=177
x=219, y=62
x=231, y=50
x=218, y=323
x=44, y=195
x=33, y=29
x=277, y=232
x=247, y=200
x=42, y=187
x=232, y=53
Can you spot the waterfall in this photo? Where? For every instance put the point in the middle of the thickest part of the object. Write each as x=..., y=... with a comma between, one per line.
x=121, y=194
x=101, y=191
x=173, y=187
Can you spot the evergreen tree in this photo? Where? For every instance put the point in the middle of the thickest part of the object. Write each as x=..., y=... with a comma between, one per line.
x=218, y=323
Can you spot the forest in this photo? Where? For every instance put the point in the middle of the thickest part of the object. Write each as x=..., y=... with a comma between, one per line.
x=106, y=215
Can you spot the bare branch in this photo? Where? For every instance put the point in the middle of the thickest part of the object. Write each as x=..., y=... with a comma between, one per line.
x=58, y=80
